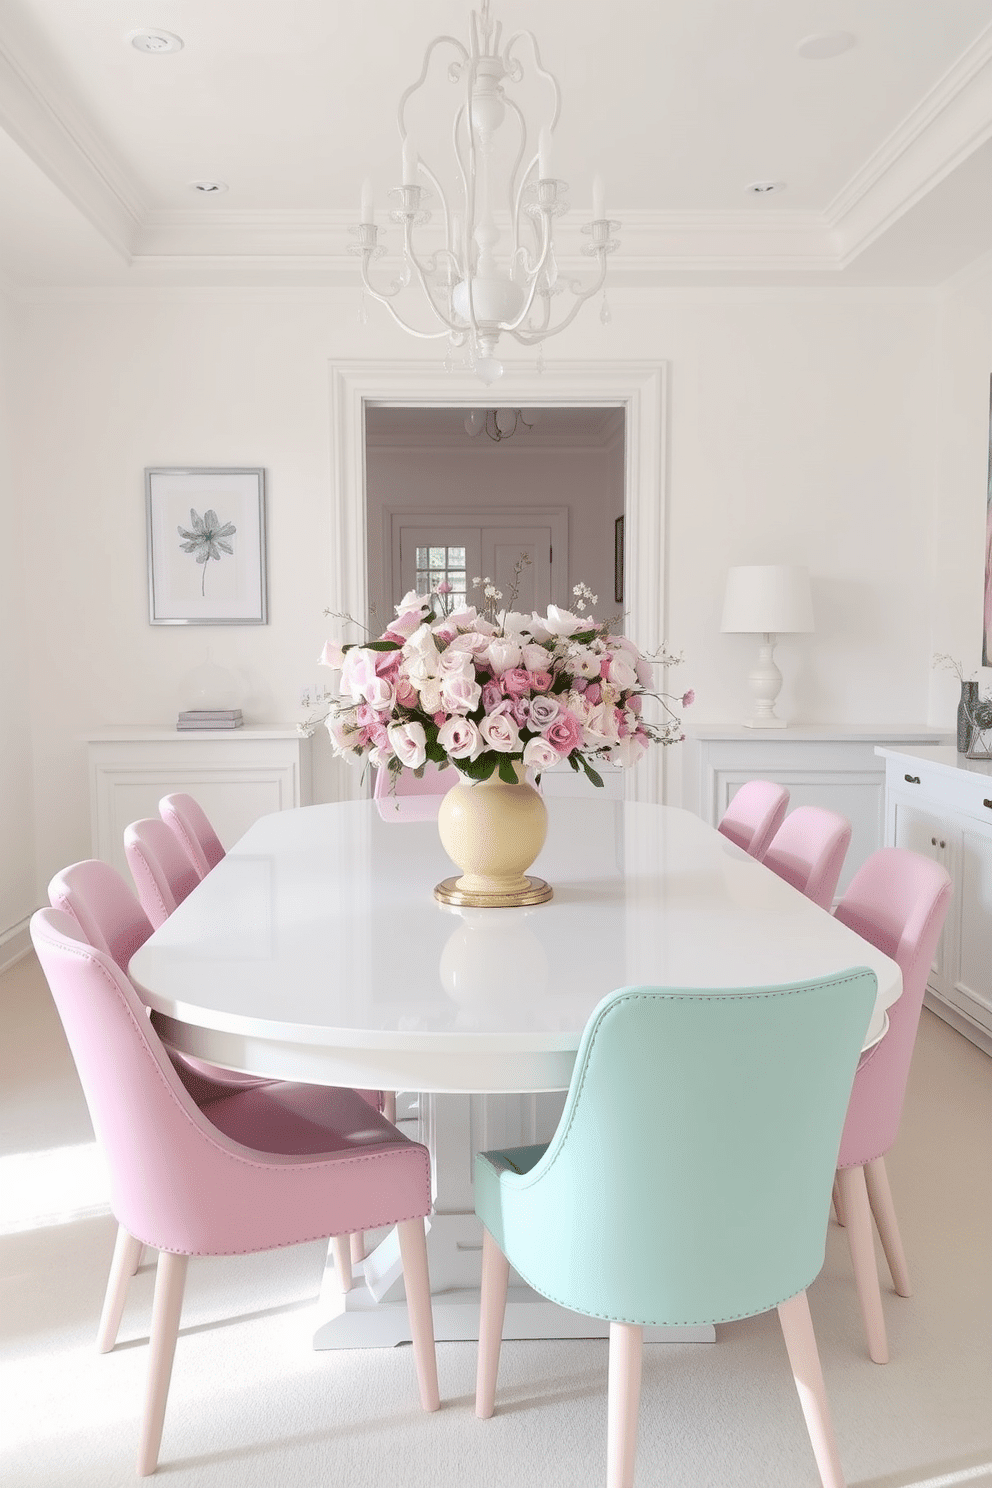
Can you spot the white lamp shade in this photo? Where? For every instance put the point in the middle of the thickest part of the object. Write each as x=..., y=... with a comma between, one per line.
x=767, y=598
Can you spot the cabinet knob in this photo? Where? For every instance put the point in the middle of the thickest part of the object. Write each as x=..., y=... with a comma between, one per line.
x=915, y=780
x=988, y=804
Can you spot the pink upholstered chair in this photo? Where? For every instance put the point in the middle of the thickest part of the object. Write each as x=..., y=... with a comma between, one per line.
x=808, y=851
x=188, y=821
x=400, y=796
x=228, y=1173
x=754, y=816
x=163, y=874
x=898, y=900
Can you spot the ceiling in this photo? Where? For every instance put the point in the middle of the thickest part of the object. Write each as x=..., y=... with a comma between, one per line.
x=884, y=151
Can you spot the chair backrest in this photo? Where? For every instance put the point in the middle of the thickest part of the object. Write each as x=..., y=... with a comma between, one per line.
x=755, y=815
x=188, y=820
x=693, y=1163
x=163, y=874
x=897, y=900
x=808, y=851
x=436, y=780
x=103, y=905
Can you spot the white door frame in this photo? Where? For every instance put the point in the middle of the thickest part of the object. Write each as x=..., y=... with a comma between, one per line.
x=639, y=388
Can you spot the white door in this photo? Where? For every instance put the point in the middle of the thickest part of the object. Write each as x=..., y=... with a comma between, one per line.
x=457, y=548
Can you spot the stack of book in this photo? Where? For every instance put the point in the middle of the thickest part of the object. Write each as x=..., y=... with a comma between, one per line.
x=210, y=718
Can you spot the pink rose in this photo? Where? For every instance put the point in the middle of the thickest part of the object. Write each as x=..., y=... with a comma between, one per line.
x=540, y=681
x=622, y=673
x=520, y=711
x=688, y=697
x=358, y=671
x=492, y=696
x=406, y=693
x=565, y=733
x=543, y=710
x=515, y=682
x=387, y=664
x=379, y=694
x=460, y=694
x=593, y=693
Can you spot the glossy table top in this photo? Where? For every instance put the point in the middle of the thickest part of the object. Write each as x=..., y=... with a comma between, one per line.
x=316, y=950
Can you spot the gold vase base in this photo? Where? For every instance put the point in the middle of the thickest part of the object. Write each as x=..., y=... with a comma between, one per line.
x=536, y=892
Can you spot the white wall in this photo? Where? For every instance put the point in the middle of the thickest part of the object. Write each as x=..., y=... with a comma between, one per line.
x=965, y=363
x=19, y=558
x=802, y=428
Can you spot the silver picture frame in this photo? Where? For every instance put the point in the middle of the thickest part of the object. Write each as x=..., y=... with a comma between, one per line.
x=206, y=545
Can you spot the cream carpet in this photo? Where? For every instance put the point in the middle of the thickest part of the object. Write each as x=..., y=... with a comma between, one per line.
x=251, y=1403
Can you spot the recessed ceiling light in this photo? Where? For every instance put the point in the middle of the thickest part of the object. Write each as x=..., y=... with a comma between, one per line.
x=764, y=188
x=208, y=188
x=824, y=44
x=155, y=41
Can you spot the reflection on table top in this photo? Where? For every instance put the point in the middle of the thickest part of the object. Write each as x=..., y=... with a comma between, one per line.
x=317, y=950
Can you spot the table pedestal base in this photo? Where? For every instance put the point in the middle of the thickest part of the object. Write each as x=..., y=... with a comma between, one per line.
x=374, y=1314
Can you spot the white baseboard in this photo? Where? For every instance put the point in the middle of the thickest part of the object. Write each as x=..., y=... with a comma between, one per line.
x=15, y=943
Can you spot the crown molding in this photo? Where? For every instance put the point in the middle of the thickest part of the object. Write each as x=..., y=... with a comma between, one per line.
x=65, y=150
x=947, y=126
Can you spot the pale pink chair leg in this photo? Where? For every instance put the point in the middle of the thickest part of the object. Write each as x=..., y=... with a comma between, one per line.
x=624, y=1394
x=170, y=1280
x=492, y=1310
x=800, y=1342
x=357, y=1248
x=417, y=1282
x=839, y=1205
x=860, y=1238
x=127, y=1254
x=882, y=1207
x=389, y=1105
x=342, y=1260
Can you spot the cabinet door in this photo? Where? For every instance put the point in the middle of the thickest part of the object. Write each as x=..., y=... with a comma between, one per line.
x=969, y=983
x=925, y=833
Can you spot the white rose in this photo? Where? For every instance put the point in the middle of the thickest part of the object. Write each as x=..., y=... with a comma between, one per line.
x=561, y=622
x=459, y=738
x=514, y=624
x=409, y=742
x=627, y=752
x=429, y=691
x=344, y=735
x=502, y=655
x=535, y=658
x=538, y=755
x=421, y=644
x=411, y=601
x=500, y=732
x=460, y=694
x=583, y=662
x=454, y=663
x=471, y=642
x=332, y=655
x=622, y=672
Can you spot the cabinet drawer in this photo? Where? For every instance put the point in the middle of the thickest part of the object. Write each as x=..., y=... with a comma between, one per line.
x=962, y=791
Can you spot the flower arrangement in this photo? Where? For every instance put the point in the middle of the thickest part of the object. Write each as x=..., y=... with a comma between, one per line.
x=487, y=691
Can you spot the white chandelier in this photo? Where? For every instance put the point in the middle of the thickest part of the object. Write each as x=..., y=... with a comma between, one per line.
x=475, y=289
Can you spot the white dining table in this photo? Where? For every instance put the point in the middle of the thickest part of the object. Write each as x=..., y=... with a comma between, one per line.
x=316, y=951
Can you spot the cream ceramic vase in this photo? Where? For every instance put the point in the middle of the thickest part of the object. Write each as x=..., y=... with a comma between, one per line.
x=493, y=832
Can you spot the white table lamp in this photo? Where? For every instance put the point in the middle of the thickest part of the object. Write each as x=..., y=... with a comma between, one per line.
x=769, y=600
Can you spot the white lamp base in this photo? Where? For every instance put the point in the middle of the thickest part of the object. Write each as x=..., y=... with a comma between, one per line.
x=765, y=682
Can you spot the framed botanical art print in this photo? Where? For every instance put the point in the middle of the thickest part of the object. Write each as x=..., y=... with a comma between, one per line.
x=206, y=546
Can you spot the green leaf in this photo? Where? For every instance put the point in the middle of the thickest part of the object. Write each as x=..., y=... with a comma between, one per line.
x=593, y=775
x=382, y=646
x=478, y=769
x=507, y=773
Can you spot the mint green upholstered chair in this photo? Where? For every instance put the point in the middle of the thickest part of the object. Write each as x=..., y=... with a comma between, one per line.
x=689, y=1180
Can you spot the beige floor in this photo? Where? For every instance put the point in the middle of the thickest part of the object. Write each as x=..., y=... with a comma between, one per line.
x=252, y=1404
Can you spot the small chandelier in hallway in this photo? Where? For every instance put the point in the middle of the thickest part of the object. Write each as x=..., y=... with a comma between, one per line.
x=478, y=281
x=498, y=423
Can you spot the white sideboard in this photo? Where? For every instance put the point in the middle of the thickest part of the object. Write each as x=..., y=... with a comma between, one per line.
x=237, y=775
x=834, y=767
x=940, y=804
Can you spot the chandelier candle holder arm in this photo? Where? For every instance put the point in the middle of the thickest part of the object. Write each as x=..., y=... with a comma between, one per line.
x=477, y=291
